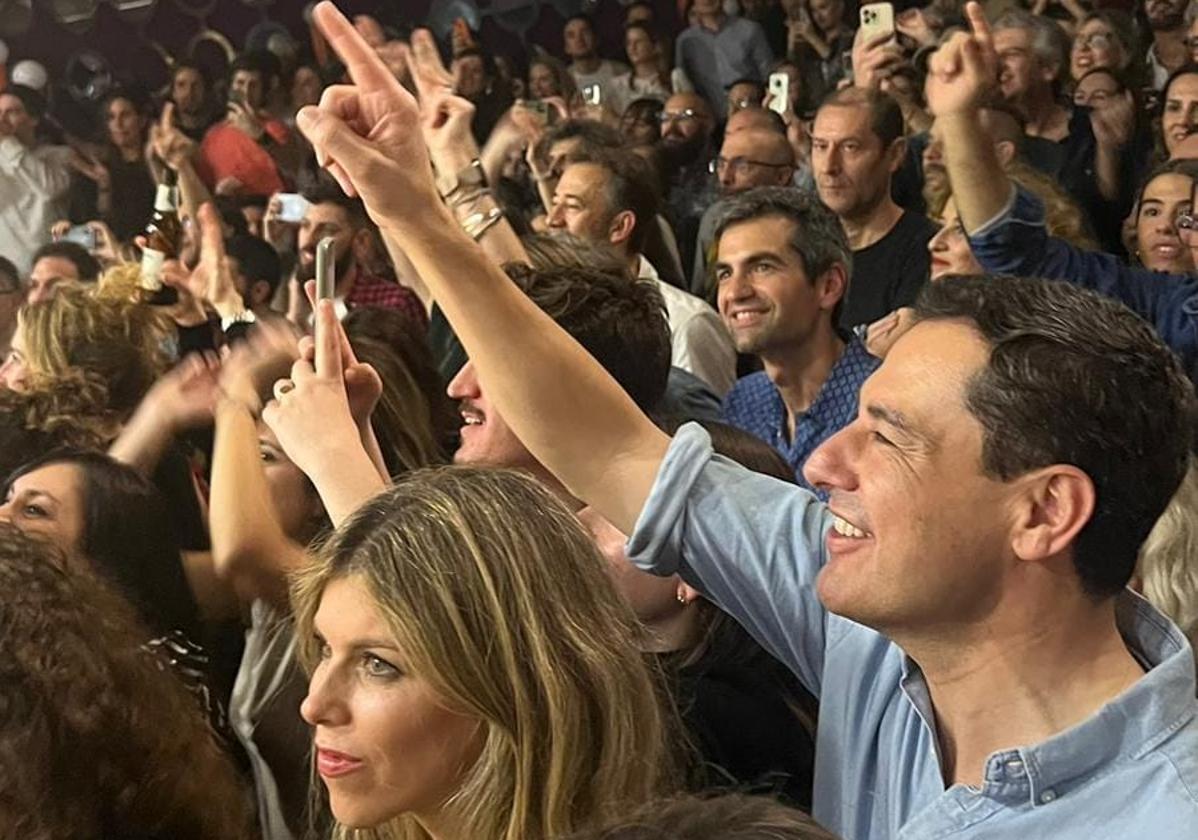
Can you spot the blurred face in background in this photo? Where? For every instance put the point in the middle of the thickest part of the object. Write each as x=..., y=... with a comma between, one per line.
x=49, y=501
x=1179, y=117
x=470, y=76
x=187, y=91
x=1095, y=89
x=305, y=87
x=249, y=87
x=15, y=120
x=950, y=247
x=542, y=83
x=1096, y=46
x=47, y=274
x=579, y=39
x=126, y=127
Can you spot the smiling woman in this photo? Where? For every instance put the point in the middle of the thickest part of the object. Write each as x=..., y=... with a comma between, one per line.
x=473, y=671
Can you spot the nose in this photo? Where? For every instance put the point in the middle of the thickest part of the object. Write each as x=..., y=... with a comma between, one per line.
x=726, y=175
x=937, y=243
x=829, y=467
x=323, y=706
x=464, y=386
x=557, y=217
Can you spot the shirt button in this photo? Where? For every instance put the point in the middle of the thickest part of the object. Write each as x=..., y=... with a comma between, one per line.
x=1048, y=796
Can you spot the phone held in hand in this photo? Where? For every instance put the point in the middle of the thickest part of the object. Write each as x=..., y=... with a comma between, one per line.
x=779, y=90
x=292, y=207
x=877, y=21
x=81, y=235
x=325, y=282
x=540, y=110
x=592, y=94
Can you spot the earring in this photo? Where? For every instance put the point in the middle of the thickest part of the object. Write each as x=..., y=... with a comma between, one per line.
x=682, y=599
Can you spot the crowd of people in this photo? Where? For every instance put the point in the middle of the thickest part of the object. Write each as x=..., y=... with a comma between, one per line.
x=787, y=432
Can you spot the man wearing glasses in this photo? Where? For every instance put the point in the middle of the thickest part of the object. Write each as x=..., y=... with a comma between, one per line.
x=687, y=123
x=748, y=158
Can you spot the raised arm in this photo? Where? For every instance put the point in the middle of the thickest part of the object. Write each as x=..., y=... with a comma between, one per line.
x=557, y=399
x=960, y=75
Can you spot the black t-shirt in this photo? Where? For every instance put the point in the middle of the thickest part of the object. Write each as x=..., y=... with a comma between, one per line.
x=889, y=273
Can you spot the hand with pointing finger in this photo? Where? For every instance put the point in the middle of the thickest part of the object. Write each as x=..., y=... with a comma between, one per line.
x=964, y=71
x=368, y=134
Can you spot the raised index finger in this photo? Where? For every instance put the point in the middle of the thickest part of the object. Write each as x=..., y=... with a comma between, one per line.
x=328, y=341
x=363, y=63
x=978, y=23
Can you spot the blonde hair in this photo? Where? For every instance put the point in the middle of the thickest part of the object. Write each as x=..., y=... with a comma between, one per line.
x=500, y=601
x=1168, y=562
x=99, y=335
x=1063, y=218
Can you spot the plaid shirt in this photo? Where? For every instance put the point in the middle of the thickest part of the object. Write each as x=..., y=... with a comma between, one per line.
x=385, y=292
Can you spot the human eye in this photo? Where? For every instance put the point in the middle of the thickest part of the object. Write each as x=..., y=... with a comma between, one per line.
x=376, y=666
x=881, y=439
x=722, y=274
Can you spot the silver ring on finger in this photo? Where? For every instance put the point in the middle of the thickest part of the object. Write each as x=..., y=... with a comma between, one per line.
x=283, y=386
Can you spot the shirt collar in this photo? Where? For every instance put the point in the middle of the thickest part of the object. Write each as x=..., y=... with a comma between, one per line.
x=1129, y=726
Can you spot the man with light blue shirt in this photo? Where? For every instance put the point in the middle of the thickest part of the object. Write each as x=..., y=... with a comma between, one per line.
x=718, y=50
x=781, y=270
x=959, y=604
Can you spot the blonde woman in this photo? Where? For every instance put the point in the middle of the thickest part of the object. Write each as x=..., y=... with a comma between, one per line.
x=1167, y=570
x=473, y=671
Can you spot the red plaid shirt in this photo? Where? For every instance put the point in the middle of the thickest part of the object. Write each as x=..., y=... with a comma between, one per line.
x=384, y=291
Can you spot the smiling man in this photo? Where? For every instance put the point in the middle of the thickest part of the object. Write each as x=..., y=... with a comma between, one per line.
x=781, y=268
x=959, y=605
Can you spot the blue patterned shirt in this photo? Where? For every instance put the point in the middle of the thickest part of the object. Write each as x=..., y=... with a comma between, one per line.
x=755, y=406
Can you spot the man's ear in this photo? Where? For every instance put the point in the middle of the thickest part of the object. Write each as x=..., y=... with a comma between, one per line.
x=622, y=225
x=831, y=286
x=896, y=153
x=1006, y=152
x=1053, y=504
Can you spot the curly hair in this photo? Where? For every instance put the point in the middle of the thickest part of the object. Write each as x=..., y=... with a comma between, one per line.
x=97, y=738
x=55, y=413
x=122, y=344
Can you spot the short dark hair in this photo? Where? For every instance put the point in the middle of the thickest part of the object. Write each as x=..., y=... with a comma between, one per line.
x=263, y=62
x=1076, y=378
x=818, y=238
x=885, y=115
x=257, y=259
x=87, y=265
x=579, y=16
x=745, y=80
x=628, y=186
x=1190, y=68
x=326, y=191
x=619, y=320
x=10, y=278
x=129, y=537
x=593, y=134
x=33, y=101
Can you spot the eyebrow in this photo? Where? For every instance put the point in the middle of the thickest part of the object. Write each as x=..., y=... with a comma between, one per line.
x=756, y=256
x=896, y=419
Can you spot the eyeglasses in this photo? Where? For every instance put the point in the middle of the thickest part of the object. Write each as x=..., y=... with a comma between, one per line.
x=678, y=116
x=1095, y=41
x=740, y=165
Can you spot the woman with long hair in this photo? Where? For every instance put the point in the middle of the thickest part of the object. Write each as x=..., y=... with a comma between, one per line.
x=473, y=671
x=97, y=738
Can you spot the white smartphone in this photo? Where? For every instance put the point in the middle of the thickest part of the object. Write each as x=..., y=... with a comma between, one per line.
x=292, y=207
x=779, y=92
x=877, y=20
x=592, y=94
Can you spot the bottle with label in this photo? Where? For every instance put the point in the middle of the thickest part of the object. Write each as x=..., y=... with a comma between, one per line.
x=164, y=239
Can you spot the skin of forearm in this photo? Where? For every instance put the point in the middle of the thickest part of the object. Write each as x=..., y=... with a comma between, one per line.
x=981, y=189
x=142, y=441
x=192, y=192
x=559, y=402
x=249, y=549
x=346, y=479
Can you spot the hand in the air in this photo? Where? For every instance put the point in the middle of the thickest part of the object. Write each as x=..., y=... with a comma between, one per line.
x=964, y=70
x=368, y=134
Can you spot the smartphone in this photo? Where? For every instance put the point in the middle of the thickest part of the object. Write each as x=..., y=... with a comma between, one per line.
x=325, y=281
x=540, y=110
x=236, y=97
x=877, y=20
x=592, y=94
x=779, y=88
x=81, y=235
x=292, y=207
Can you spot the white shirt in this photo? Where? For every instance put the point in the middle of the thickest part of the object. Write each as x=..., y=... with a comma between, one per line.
x=33, y=193
x=700, y=343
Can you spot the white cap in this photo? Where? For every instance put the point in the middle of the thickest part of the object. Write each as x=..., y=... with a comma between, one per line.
x=31, y=74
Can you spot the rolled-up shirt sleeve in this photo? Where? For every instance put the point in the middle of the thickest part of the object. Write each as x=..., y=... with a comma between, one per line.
x=752, y=544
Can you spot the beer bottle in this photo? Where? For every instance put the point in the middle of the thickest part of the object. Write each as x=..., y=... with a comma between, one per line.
x=164, y=239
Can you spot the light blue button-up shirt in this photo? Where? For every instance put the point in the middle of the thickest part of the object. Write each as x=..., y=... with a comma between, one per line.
x=754, y=545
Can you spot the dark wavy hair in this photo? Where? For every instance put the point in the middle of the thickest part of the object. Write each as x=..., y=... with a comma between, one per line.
x=129, y=538
x=97, y=737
